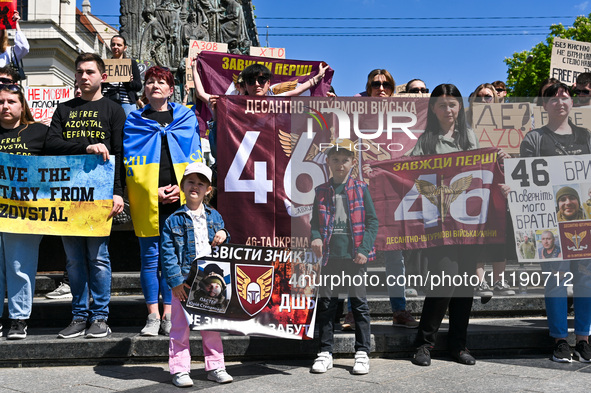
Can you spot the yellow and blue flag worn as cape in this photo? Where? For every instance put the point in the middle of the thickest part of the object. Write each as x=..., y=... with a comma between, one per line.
x=142, y=140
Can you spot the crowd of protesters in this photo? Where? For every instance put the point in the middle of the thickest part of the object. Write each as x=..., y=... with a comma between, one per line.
x=170, y=133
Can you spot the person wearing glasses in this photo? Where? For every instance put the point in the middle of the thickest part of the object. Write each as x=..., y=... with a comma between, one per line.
x=582, y=90
x=19, y=134
x=501, y=90
x=254, y=80
x=380, y=83
x=416, y=86
x=21, y=44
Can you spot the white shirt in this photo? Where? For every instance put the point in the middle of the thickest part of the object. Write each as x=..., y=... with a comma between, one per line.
x=199, y=218
x=21, y=49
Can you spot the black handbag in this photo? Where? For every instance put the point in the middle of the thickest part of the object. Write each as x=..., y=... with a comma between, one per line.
x=17, y=65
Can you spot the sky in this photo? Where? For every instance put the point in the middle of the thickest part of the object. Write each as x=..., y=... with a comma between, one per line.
x=463, y=42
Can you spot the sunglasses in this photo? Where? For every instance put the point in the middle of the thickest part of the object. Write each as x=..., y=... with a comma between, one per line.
x=254, y=79
x=6, y=81
x=11, y=87
x=582, y=92
x=484, y=99
x=418, y=90
x=499, y=89
x=377, y=84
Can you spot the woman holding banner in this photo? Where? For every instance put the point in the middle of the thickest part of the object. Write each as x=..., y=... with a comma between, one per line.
x=159, y=141
x=13, y=54
x=561, y=137
x=19, y=253
x=446, y=132
x=123, y=93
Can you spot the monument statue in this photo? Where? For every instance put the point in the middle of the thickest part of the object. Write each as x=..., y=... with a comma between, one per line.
x=161, y=30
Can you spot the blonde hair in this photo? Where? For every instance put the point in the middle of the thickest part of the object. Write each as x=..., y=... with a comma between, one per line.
x=3, y=41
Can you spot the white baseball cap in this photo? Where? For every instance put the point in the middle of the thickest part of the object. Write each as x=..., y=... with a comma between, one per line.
x=200, y=168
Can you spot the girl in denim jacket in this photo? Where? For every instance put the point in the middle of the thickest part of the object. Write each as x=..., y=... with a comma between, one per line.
x=186, y=236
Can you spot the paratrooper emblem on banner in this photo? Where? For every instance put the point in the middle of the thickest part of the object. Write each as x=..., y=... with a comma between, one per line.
x=254, y=285
x=443, y=196
x=576, y=239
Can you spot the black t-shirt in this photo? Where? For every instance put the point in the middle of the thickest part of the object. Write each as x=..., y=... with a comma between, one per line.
x=553, y=144
x=81, y=123
x=26, y=139
x=166, y=174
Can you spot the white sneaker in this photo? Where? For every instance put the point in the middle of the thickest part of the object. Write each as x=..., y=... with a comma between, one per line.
x=323, y=363
x=361, y=365
x=219, y=375
x=182, y=380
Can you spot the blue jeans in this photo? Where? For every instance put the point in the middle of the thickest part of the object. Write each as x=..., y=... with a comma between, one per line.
x=19, y=254
x=128, y=108
x=89, y=269
x=556, y=299
x=153, y=282
x=395, y=269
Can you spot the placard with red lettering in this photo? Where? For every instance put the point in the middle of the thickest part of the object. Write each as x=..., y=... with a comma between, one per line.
x=501, y=125
x=43, y=100
x=437, y=200
x=276, y=53
x=255, y=291
x=550, y=203
x=195, y=48
x=7, y=9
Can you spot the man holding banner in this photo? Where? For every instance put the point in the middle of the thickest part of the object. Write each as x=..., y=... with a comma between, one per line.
x=95, y=124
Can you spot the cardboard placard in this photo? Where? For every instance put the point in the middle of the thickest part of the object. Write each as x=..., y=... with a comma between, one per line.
x=581, y=116
x=276, y=53
x=501, y=125
x=194, y=49
x=118, y=70
x=569, y=59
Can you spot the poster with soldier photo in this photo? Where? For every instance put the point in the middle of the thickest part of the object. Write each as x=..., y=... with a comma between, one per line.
x=550, y=203
x=210, y=290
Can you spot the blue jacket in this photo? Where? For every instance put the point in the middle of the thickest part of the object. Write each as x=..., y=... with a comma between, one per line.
x=177, y=246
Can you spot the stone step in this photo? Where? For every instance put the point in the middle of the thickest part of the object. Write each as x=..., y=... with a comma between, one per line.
x=507, y=337
x=130, y=310
x=128, y=283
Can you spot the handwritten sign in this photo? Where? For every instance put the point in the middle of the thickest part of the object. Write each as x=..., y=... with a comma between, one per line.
x=569, y=59
x=501, y=125
x=581, y=116
x=43, y=100
x=118, y=70
x=194, y=49
x=276, y=53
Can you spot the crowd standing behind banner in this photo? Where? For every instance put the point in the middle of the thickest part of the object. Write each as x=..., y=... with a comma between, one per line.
x=93, y=124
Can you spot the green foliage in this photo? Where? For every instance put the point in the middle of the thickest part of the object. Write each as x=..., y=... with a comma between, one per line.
x=523, y=80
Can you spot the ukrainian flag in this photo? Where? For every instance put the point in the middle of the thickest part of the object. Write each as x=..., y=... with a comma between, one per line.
x=142, y=140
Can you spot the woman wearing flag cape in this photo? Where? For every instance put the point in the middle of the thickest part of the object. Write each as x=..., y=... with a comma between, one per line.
x=159, y=141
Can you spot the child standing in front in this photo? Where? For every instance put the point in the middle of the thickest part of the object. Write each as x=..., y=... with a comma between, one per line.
x=186, y=237
x=344, y=227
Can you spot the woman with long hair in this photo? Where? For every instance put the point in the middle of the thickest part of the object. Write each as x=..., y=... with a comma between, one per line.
x=19, y=253
x=20, y=48
x=446, y=132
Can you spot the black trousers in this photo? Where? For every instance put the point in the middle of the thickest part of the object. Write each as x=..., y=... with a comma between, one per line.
x=453, y=294
x=328, y=303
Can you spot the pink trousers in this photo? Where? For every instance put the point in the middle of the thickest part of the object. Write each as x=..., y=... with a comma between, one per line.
x=179, y=349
